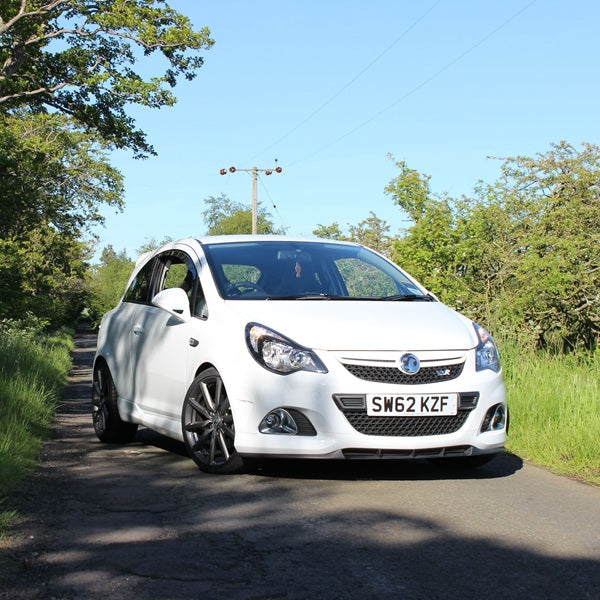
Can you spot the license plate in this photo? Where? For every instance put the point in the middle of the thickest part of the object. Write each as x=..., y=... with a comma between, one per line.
x=412, y=405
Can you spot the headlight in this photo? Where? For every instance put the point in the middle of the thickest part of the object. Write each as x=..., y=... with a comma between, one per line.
x=279, y=354
x=486, y=353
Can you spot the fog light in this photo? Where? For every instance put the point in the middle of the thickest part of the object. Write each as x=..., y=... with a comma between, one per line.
x=278, y=421
x=498, y=419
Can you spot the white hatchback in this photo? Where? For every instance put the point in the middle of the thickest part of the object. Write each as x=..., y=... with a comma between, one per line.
x=269, y=346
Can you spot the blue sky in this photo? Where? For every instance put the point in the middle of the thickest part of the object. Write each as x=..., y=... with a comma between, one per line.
x=332, y=87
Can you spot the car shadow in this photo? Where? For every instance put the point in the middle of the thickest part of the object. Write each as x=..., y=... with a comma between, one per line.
x=503, y=465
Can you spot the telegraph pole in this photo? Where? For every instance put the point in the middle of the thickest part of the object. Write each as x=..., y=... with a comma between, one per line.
x=254, y=171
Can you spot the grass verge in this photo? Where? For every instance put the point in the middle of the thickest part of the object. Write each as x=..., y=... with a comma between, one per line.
x=554, y=406
x=33, y=372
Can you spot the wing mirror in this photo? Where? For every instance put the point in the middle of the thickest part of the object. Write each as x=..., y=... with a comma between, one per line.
x=175, y=302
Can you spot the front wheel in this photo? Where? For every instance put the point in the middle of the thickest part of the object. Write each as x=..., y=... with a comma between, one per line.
x=108, y=425
x=207, y=425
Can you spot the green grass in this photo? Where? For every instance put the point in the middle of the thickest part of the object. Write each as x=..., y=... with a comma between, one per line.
x=554, y=406
x=33, y=372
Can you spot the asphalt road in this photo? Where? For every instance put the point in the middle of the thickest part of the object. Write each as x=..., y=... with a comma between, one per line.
x=141, y=521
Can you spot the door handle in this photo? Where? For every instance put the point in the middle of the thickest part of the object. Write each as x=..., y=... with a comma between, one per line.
x=138, y=329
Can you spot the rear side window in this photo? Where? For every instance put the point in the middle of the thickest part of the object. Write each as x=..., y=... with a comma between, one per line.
x=139, y=289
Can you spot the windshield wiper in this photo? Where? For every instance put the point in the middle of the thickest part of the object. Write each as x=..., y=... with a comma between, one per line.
x=308, y=296
x=409, y=298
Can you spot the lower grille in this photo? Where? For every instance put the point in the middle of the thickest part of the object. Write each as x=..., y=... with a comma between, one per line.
x=305, y=427
x=405, y=426
x=375, y=453
x=354, y=408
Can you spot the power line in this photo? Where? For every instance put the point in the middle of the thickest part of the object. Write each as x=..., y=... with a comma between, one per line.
x=254, y=171
x=347, y=85
x=264, y=187
x=422, y=84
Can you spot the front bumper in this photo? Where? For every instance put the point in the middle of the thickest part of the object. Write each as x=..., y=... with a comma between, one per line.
x=342, y=428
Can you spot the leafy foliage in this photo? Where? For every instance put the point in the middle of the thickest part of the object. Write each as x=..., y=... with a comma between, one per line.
x=42, y=273
x=227, y=217
x=53, y=173
x=522, y=255
x=78, y=57
x=68, y=75
x=53, y=179
x=107, y=281
x=371, y=232
x=330, y=232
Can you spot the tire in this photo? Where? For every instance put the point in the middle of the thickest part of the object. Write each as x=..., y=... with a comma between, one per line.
x=108, y=425
x=208, y=427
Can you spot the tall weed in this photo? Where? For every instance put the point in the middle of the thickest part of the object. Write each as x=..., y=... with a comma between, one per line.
x=34, y=366
x=554, y=403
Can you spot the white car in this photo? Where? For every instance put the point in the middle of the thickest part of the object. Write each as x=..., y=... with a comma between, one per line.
x=270, y=346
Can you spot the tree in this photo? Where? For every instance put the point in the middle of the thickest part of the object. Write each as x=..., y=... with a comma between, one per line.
x=410, y=190
x=68, y=76
x=371, y=232
x=224, y=217
x=551, y=244
x=53, y=173
x=53, y=179
x=522, y=255
x=151, y=243
x=77, y=57
x=107, y=281
x=330, y=232
x=43, y=274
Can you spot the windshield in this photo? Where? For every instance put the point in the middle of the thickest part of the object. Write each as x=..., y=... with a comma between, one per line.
x=282, y=270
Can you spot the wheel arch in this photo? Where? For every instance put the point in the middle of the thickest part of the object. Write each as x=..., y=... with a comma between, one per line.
x=202, y=367
x=102, y=359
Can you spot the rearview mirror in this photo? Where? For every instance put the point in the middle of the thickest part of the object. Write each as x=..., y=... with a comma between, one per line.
x=175, y=302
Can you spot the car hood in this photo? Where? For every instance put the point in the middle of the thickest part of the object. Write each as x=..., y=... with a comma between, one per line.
x=357, y=325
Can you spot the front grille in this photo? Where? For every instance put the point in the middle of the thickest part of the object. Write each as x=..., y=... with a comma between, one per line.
x=395, y=375
x=405, y=426
x=353, y=406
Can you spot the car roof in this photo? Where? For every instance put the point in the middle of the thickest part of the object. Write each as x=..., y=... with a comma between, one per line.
x=224, y=239
x=228, y=239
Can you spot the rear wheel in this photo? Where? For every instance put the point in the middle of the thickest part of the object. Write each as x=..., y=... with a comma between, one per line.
x=207, y=425
x=108, y=425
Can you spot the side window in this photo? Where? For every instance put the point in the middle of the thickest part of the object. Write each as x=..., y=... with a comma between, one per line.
x=178, y=270
x=177, y=276
x=138, y=290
